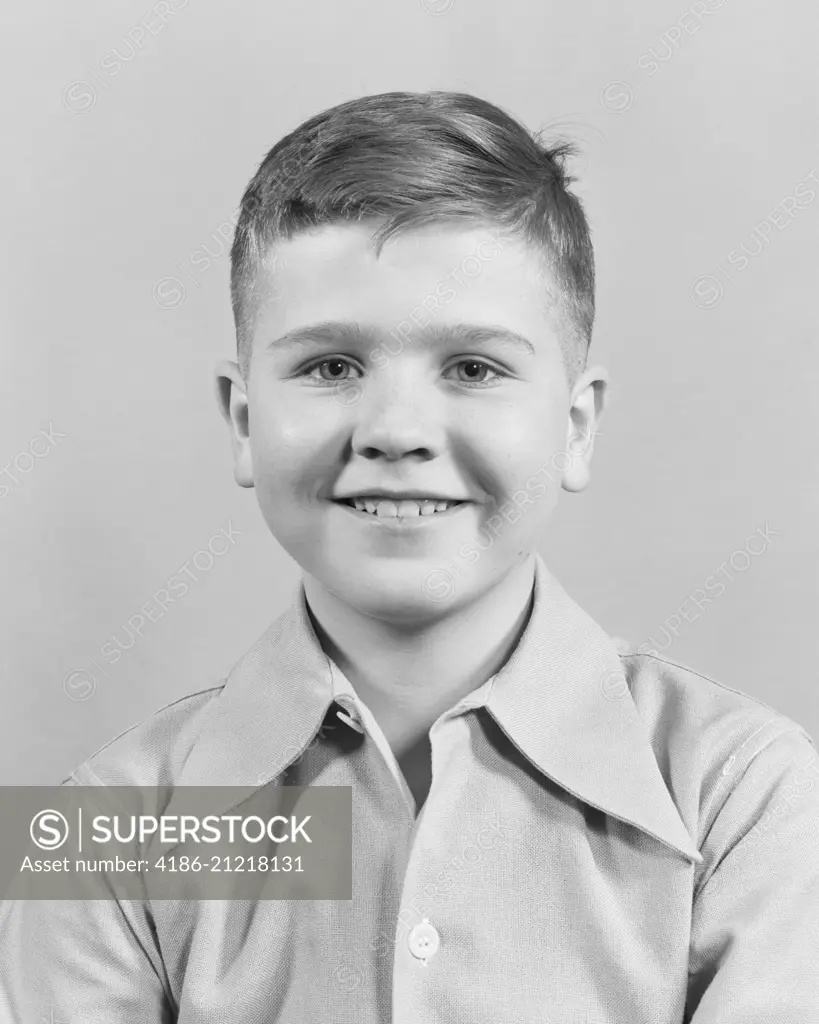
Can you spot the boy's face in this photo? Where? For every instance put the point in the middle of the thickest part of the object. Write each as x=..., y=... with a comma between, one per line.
x=431, y=399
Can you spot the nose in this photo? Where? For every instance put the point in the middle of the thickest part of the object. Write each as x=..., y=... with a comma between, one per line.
x=397, y=421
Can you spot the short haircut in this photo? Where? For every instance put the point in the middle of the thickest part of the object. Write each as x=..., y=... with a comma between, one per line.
x=413, y=159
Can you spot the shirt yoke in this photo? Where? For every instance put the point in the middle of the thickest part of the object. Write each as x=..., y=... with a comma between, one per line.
x=704, y=734
x=151, y=752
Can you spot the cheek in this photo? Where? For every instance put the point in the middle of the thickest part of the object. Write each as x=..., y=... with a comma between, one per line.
x=280, y=467
x=518, y=442
x=292, y=450
x=527, y=474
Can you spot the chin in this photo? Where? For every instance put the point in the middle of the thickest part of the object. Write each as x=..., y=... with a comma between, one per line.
x=395, y=591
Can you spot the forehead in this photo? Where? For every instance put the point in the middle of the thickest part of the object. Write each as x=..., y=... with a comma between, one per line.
x=476, y=274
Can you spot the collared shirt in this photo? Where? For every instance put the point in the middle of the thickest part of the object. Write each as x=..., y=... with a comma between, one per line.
x=609, y=837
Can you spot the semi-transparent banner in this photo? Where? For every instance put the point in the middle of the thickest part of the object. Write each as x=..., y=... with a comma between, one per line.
x=191, y=842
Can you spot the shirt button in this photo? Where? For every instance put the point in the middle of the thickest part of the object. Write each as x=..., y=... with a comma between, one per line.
x=424, y=940
x=350, y=717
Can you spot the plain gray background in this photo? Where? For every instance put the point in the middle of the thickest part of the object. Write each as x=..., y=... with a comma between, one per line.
x=130, y=131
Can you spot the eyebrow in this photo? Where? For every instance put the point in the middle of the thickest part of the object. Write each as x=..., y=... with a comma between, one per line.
x=343, y=331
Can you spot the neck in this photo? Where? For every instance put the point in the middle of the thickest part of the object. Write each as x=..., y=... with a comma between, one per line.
x=408, y=676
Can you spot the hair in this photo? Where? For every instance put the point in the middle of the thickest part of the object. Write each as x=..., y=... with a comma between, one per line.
x=412, y=159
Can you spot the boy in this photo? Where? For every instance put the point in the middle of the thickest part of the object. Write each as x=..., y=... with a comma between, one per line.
x=547, y=824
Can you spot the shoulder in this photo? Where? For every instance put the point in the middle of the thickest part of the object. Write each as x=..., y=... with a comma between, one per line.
x=154, y=751
x=673, y=698
x=707, y=737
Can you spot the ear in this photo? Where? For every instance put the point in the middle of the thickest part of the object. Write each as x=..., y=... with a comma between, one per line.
x=588, y=404
x=231, y=394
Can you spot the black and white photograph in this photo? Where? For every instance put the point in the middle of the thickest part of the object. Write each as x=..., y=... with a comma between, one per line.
x=408, y=511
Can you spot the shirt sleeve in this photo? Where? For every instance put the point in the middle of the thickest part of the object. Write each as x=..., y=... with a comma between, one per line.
x=754, y=956
x=83, y=960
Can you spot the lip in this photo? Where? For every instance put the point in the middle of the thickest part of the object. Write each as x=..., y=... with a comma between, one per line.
x=400, y=522
x=396, y=496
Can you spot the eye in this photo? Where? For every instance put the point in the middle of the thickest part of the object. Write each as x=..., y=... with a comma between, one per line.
x=335, y=366
x=476, y=367
x=332, y=371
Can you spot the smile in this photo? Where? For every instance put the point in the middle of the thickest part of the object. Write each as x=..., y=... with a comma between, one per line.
x=406, y=511
x=400, y=506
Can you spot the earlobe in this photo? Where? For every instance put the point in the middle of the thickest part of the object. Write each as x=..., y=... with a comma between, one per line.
x=231, y=396
x=577, y=475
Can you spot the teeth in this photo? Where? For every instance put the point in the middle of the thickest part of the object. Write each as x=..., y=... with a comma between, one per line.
x=406, y=507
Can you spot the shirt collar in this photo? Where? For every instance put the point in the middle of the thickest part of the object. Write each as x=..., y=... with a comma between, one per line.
x=562, y=698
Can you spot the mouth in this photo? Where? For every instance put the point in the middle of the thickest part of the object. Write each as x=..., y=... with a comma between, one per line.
x=378, y=507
